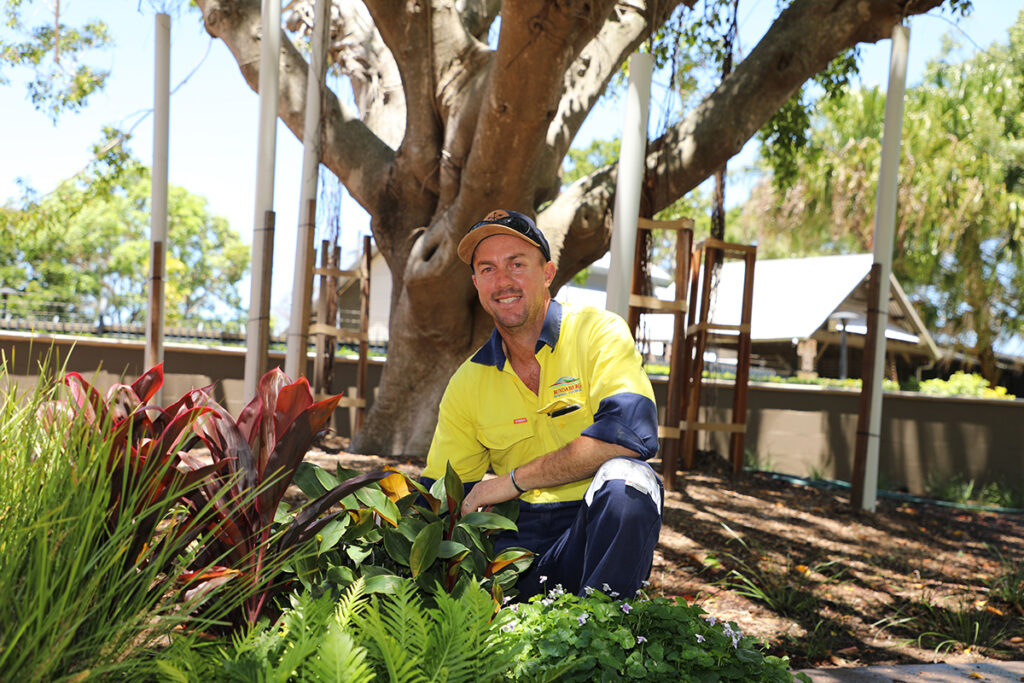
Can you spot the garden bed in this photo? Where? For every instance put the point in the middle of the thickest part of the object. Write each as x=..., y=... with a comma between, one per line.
x=822, y=583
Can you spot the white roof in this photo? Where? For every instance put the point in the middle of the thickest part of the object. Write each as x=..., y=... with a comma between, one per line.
x=793, y=299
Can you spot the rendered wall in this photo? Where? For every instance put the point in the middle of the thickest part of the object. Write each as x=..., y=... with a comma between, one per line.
x=796, y=430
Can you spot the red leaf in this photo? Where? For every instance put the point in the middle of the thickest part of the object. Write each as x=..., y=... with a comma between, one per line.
x=146, y=386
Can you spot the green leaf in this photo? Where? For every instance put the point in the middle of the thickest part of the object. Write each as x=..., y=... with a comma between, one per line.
x=449, y=549
x=340, y=576
x=487, y=520
x=398, y=547
x=382, y=583
x=425, y=548
x=332, y=533
x=453, y=488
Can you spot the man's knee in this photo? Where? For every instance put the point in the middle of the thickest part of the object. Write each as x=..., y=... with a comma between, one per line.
x=620, y=479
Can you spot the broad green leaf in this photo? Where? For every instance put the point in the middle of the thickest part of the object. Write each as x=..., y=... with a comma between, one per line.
x=398, y=547
x=382, y=583
x=487, y=520
x=449, y=549
x=373, y=497
x=453, y=488
x=332, y=532
x=425, y=548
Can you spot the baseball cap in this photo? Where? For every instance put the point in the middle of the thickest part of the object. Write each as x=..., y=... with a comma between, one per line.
x=502, y=222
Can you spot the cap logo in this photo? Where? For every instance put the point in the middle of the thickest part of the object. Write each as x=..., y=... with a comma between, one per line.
x=497, y=214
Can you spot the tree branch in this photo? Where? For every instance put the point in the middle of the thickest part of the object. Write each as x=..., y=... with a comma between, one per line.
x=360, y=159
x=801, y=43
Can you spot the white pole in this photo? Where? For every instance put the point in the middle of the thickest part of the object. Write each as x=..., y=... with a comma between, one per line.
x=257, y=335
x=158, y=196
x=302, y=286
x=628, y=183
x=885, y=222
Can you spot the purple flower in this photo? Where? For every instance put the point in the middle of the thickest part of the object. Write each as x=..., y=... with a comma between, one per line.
x=700, y=638
x=583, y=618
x=626, y=607
x=641, y=639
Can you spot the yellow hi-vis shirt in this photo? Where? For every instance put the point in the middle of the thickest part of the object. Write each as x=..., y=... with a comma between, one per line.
x=592, y=382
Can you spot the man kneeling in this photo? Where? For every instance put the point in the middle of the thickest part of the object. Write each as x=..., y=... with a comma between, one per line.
x=558, y=405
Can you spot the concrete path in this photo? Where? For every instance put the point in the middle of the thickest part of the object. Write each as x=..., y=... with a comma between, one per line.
x=994, y=672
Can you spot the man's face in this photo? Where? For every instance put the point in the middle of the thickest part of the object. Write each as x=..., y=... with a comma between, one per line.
x=512, y=279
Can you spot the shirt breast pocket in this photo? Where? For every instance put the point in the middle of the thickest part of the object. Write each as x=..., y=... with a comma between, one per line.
x=509, y=444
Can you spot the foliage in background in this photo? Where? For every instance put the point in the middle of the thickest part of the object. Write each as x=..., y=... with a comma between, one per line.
x=53, y=52
x=81, y=252
x=963, y=384
x=959, y=243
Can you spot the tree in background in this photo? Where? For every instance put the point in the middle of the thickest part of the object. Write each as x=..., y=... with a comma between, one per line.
x=53, y=51
x=958, y=243
x=446, y=128
x=81, y=252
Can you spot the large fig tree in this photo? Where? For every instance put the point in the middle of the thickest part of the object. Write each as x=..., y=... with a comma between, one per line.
x=446, y=128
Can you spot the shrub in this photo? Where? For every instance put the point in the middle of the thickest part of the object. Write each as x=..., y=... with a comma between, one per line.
x=405, y=531
x=963, y=384
x=633, y=639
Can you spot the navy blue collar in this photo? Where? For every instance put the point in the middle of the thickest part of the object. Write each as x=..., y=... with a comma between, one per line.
x=492, y=353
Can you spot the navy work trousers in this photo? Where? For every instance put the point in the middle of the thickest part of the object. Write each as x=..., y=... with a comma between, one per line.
x=605, y=541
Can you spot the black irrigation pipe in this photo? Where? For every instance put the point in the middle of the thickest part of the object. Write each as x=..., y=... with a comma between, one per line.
x=894, y=495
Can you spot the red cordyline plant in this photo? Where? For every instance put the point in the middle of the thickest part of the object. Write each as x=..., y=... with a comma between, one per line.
x=256, y=458
x=144, y=446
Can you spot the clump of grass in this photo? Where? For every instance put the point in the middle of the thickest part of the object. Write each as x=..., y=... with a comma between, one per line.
x=1008, y=586
x=74, y=601
x=941, y=628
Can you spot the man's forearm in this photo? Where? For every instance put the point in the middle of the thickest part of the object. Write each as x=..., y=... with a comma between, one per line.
x=577, y=460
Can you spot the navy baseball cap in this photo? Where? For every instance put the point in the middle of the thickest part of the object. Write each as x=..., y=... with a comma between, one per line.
x=502, y=222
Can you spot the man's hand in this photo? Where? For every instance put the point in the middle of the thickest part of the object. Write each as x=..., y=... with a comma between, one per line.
x=489, y=492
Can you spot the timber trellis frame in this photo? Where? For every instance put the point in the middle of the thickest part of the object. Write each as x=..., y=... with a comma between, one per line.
x=642, y=303
x=706, y=256
x=328, y=332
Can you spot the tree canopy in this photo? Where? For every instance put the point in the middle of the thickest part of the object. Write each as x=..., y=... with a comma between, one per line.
x=959, y=230
x=81, y=252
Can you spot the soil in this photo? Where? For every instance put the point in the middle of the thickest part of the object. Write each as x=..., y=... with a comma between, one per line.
x=794, y=564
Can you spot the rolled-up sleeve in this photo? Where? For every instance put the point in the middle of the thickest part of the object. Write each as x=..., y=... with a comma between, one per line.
x=620, y=388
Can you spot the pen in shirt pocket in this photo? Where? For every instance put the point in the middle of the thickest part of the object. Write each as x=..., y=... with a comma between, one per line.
x=563, y=411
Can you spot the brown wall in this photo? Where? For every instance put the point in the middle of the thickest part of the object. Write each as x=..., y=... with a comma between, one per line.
x=797, y=430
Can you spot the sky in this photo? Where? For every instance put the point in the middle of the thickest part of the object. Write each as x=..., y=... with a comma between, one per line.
x=214, y=114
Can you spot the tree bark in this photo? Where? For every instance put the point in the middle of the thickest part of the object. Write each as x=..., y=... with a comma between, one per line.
x=489, y=128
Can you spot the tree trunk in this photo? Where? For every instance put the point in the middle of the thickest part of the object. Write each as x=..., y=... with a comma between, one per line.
x=486, y=129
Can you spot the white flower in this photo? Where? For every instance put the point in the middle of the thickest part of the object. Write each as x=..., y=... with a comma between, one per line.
x=614, y=594
x=546, y=601
x=700, y=638
x=606, y=588
x=583, y=618
x=543, y=579
x=641, y=639
x=645, y=583
x=588, y=590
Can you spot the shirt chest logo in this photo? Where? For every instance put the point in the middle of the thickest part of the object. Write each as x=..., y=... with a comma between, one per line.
x=567, y=385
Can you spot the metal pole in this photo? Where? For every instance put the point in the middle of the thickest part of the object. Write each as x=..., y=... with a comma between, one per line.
x=628, y=183
x=158, y=196
x=302, y=285
x=842, y=351
x=885, y=221
x=257, y=337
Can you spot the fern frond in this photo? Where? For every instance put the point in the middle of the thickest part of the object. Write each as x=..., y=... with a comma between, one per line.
x=339, y=659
